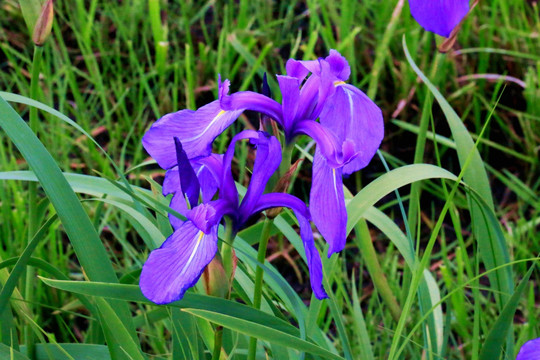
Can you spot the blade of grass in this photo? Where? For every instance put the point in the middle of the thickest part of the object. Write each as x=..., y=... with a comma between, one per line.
x=493, y=345
x=262, y=332
x=83, y=236
x=493, y=251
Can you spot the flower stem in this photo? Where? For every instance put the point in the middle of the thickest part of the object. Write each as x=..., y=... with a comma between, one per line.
x=226, y=250
x=218, y=340
x=228, y=265
x=32, y=200
x=257, y=293
x=286, y=157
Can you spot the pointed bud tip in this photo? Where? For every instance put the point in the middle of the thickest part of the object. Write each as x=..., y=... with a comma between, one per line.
x=43, y=26
x=215, y=280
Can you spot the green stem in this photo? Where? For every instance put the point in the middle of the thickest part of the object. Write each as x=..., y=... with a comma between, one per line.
x=32, y=201
x=218, y=341
x=257, y=293
x=228, y=265
x=286, y=157
x=374, y=268
x=226, y=249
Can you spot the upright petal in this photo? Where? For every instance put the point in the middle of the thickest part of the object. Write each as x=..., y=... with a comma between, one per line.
x=267, y=162
x=178, y=264
x=339, y=66
x=290, y=93
x=530, y=350
x=439, y=16
x=189, y=184
x=296, y=69
x=327, y=203
x=209, y=170
x=228, y=187
x=195, y=129
x=302, y=214
x=356, y=119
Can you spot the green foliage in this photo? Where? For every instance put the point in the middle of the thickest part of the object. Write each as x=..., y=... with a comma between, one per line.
x=446, y=269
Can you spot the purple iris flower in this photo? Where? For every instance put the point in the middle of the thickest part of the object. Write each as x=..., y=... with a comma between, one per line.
x=348, y=133
x=179, y=262
x=439, y=16
x=530, y=350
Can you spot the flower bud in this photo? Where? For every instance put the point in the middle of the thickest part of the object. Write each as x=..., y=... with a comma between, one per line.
x=43, y=26
x=215, y=279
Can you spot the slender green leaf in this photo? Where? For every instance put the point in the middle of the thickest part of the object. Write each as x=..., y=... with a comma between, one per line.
x=190, y=300
x=17, y=271
x=118, y=330
x=493, y=249
x=75, y=351
x=262, y=332
x=389, y=182
x=7, y=352
x=493, y=346
x=83, y=236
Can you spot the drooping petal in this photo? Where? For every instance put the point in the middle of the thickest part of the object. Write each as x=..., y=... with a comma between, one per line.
x=328, y=143
x=530, y=350
x=439, y=16
x=249, y=100
x=355, y=118
x=189, y=184
x=179, y=204
x=195, y=129
x=302, y=214
x=171, y=183
x=327, y=203
x=178, y=263
x=207, y=215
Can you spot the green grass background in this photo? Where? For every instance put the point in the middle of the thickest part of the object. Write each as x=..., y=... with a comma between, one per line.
x=114, y=67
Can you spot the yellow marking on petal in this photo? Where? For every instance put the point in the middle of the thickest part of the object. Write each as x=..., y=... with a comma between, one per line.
x=201, y=234
x=201, y=133
x=337, y=83
x=192, y=255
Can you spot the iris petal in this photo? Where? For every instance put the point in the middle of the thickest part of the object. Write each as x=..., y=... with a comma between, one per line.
x=249, y=100
x=290, y=93
x=530, y=350
x=439, y=16
x=355, y=119
x=267, y=162
x=178, y=263
x=302, y=214
x=189, y=183
x=339, y=66
x=327, y=203
x=195, y=129
x=179, y=204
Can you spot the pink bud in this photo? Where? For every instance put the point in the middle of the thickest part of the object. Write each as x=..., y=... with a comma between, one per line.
x=43, y=27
